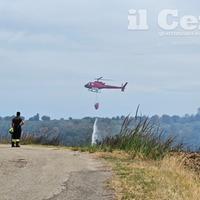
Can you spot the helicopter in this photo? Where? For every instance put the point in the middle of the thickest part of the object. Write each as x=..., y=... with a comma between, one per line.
x=98, y=85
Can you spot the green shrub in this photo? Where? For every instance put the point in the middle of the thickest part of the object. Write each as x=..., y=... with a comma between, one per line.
x=140, y=136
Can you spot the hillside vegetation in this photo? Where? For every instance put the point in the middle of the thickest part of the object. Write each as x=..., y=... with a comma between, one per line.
x=77, y=132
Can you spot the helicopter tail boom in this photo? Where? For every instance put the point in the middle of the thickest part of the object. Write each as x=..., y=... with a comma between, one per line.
x=124, y=86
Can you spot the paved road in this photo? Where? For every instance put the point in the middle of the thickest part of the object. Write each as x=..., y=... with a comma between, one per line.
x=41, y=173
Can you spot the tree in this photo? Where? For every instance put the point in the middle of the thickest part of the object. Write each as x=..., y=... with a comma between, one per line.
x=46, y=118
x=8, y=118
x=166, y=119
x=155, y=119
x=198, y=111
x=175, y=118
x=35, y=118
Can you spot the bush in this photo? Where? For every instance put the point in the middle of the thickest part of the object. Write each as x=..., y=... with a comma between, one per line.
x=140, y=136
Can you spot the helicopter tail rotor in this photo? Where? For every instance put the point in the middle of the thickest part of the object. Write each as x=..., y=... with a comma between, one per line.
x=124, y=86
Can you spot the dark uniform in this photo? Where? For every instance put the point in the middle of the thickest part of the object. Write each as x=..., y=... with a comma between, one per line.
x=17, y=123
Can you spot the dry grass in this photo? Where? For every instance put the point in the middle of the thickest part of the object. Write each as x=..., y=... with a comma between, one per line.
x=167, y=179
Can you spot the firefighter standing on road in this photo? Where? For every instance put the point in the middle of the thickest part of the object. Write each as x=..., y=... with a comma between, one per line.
x=17, y=124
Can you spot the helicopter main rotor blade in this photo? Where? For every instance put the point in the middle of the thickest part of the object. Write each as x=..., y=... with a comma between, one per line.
x=100, y=78
x=103, y=79
x=106, y=79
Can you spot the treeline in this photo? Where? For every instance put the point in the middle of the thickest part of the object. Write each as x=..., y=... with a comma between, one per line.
x=58, y=132
x=70, y=132
x=186, y=128
x=78, y=132
x=166, y=119
x=48, y=118
x=34, y=118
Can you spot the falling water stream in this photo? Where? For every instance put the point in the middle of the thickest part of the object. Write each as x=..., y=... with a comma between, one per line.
x=95, y=133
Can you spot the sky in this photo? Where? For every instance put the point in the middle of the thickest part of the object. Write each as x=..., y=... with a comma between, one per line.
x=49, y=49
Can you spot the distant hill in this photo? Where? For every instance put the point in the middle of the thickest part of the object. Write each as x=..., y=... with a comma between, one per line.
x=77, y=132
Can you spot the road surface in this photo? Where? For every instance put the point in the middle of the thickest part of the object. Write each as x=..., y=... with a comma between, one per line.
x=44, y=173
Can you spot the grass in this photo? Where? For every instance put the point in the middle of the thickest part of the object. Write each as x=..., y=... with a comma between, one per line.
x=28, y=139
x=139, y=136
x=92, y=149
x=138, y=179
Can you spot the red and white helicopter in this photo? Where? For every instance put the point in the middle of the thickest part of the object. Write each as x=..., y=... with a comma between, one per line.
x=97, y=85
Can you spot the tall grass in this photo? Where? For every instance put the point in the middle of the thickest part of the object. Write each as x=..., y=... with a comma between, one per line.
x=140, y=137
x=32, y=139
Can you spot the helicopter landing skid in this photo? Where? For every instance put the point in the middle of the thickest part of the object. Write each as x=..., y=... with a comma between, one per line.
x=95, y=90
